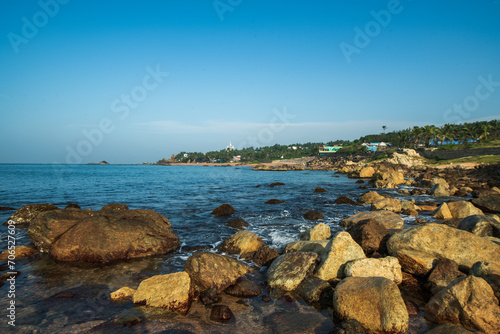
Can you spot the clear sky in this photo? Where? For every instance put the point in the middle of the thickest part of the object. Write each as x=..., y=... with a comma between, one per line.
x=134, y=81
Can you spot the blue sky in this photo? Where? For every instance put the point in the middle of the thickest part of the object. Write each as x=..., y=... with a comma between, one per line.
x=131, y=81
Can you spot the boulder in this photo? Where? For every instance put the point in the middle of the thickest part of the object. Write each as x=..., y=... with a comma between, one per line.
x=341, y=249
x=316, y=246
x=312, y=289
x=462, y=209
x=387, y=204
x=442, y=212
x=370, y=235
x=489, y=203
x=318, y=232
x=313, y=215
x=29, y=212
x=208, y=270
x=20, y=252
x=481, y=225
x=366, y=172
x=345, y=200
x=274, y=201
x=390, y=220
x=445, y=272
x=172, y=292
x=442, y=241
x=387, y=267
x=469, y=302
x=221, y=313
x=375, y=302
x=237, y=223
x=49, y=226
x=241, y=243
x=319, y=190
x=265, y=256
x=440, y=189
x=289, y=270
x=122, y=294
x=223, y=210
x=243, y=288
x=370, y=197
x=115, y=235
x=490, y=272
x=414, y=262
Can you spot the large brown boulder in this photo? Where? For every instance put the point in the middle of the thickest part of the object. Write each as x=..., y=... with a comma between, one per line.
x=366, y=172
x=442, y=212
x=341, y=249
x=387, y=267
x=370, y=197
x=172, y=292
x=318, y=232
x=116, y=235
x=315, y=246
x=370, y=235
x=481, y=225
x=48, y=227
x=469, y=302
x=243, y=242
x=389, y=219
x=445, y=272
x=29, y=212
x=441, y=241
x=208, y=270
x=375, y=302
x=462, y=209
x=440, y=189
x=387, y=204
x=489, y=203
x=289, y=270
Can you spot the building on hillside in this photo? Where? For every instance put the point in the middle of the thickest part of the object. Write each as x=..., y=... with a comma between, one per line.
x=230, y=147
x=374, y=147
x=325, y=150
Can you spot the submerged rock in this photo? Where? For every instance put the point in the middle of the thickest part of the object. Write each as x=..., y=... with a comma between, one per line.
x=20, y=252
x=122, y=294
x=274, y=201
x=243, y=288
x=223, y=210
x=313, y=215
x=237, y=223
x=375, y=302
x=319, y=190
x=345, y=200
x=221, y=313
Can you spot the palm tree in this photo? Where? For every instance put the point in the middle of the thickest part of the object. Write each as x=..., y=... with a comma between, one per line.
x=484, y=129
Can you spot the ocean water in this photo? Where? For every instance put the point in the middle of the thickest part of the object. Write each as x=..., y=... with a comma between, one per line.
x=71, y=297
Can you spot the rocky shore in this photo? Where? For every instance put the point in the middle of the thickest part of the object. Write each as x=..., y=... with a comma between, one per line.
x=440, y=274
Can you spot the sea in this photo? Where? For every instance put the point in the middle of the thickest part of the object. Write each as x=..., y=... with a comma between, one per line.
x=55, y=297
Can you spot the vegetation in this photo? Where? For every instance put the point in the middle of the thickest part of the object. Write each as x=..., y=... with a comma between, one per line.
x=446, y=137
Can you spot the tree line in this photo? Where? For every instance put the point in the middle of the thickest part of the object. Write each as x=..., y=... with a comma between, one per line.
x=425, y=136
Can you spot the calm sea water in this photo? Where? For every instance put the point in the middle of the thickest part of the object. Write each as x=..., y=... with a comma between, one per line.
x=60, y=297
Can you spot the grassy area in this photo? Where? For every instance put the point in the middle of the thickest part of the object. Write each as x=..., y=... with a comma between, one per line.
x=485, y=159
